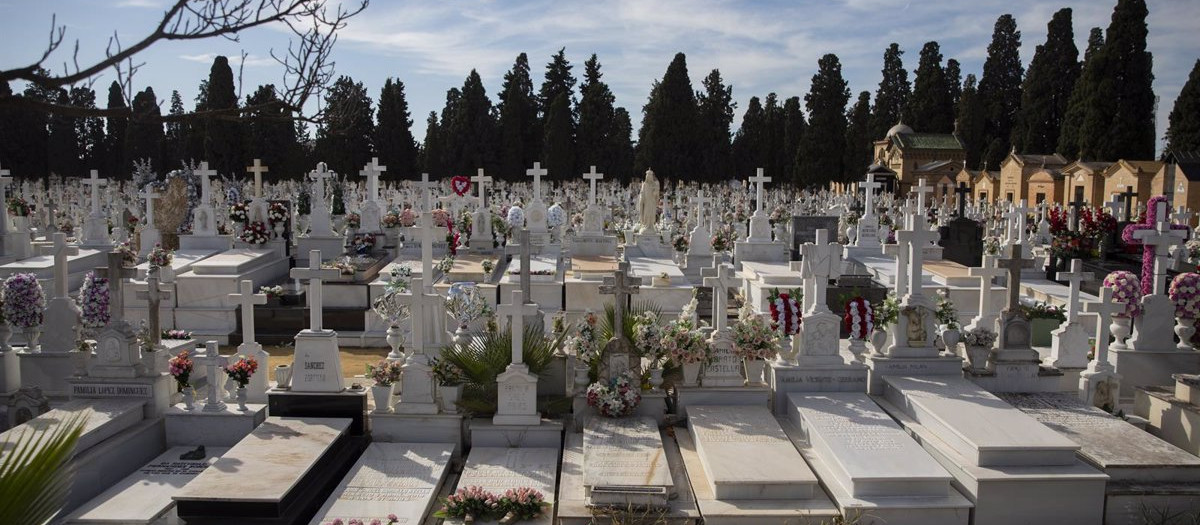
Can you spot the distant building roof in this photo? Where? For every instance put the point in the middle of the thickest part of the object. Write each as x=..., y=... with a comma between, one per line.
x=1189, y=163
x=1050, y=161
x=942, y=141
x=899, y=129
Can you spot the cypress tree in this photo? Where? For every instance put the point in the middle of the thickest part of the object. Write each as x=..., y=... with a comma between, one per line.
x=432, y=149
x=558, y=144
x=222, y=136
x=394, y=141
x=594, y=145
x=667, y=141
x=474, y=129
x=1119, y=123
x=270, y=135
x=931, y=106
x=1000, y=88
x=716, y=114
x=558, y=81
x=520, y=140
x=775, y=129
x=62, y=155
x=621, y=144
x=953, y=73
x=89, y=131
x=1077, y=103
x=793, y=124
x=972, y=119
x=344, y=139
x=114, y=132
x=858, y=140
x=891, y=99
x=750, y=137
x=175, y=141
x=823, y=146
x=1047, y=89
x=144, y=136
x=1183, y=131
x=449, y=135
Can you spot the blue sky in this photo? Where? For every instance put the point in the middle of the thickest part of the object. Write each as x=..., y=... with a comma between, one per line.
x=760, y=46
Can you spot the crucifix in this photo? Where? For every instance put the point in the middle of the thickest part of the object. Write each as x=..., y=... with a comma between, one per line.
x=372, y=172
x=985, y=273
x=257, y=169
x=319, y=176
x=621, y=285
x=1075, y=276
x=480, y=180
x=516, y=312
x=61, y=251
x=721, y=284
x=1013, y=264
x=1161, y=238
x=758, y=180
x=1127, y=196
x=212, y=361
x=537, y=172
x=205, y=186
x=154, y=295
x=961, y=192
x=95, y=182
x=315, y=274
x=592, y=177
x=246, y=298
x=115, y=273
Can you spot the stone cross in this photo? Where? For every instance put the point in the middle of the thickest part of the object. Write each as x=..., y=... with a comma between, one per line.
x=985, y=273
x=1160, y=239
x=921, y=190
x=1014, y=263
x=149, y=194
x=720, y=290
x=205, y=186
x=319, y=175
x=700, y=201
x=1022, y=212
x=537, y=172
x=315, y=274
x=95, y=182
x=916, y=240
x=523, y=241
x=60, y=251
x=417, y=300
x=246, y=298
x=621, y=285
x=869, y=187
x=1106, y=308
x=1113, y=206
x=480, y=180
x=424, y=186
x=372, y=172
x=821, y=261
x=1076, y=205
x=154, y=296
x=1127, y=196
x=758, y=180
x=1182, y=216
x=1075, y=276
x=115, y=273
x=592, y=177
x=962, y=191
x=257, y=169
x=900, y=252
x=516, y=312
x=213, y=361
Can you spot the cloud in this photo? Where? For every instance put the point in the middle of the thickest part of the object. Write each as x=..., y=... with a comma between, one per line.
x=234, y=61
x=139, y=3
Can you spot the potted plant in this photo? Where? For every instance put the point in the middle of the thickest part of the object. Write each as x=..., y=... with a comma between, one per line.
x=1127, y=289
x=887, y=312
x=647, y=338
x=385, y=374
x=24, y=306
x=1185, y=294
x=978, y=342
x=450, y=384
x=687, y=347
x=754, y=341
x=180, y=368
x=240, y=372
x=859, y=321
x=1043, y=317
x=947, y=317
x=160, y=260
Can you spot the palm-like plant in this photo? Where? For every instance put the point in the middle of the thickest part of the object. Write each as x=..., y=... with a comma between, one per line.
x=486, y=357
x=35, y=473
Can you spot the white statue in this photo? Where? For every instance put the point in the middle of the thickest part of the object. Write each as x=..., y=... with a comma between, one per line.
x=648, y=201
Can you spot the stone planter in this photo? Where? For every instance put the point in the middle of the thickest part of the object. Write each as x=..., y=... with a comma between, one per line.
x=754, y=371
x=691, y=374
x=1185, y=329
x=448, y=397
x=977, y=356
x=382, y=394
x=879, y=341
x=950, y=337
x=283, y=376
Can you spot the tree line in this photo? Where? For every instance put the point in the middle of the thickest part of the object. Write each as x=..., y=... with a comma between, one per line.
x=1062, y=103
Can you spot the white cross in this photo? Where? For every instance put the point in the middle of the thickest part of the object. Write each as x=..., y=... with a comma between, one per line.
x=821, y=261
x=699, y=200
x=921, y=189
x=758, y=180
x=247, y=299
x=1162, y=238
x=116, y=272
x=212, y=359
x=60, y=251
x=901, y=255
x=371, y=172
x=1106, y=308
x=720, y=286
x=319, y=175
x=1182, y=216
x=1075, y=276
x=154, y=295
x=424, y=185
x=205, y=186
x=592, y=177
x=417, y=299
x=95, y=182
x=869, y=188
x=985, y=273
x=1013, y=264
x=1022, y=212
x=1114, y=206
x=314, y=273
x=537, y=172
x=257, y=169
x=149, y=194
x=480, y=179
x=516, y=311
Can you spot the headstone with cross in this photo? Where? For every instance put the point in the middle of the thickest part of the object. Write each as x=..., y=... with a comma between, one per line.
x=257, y=170
x=868, y=225
x=1015, y=336
x=371, y=210
x=593, y=216
x=95, y=229
x=481, y=222
x=1069, y=342
x=618, y=350
x=258, y=209
x=416, y=396
x=117, y=354
x=535, y=210
x=760, y=224
x=154, y=295
x=150, y=234
x=987, y=316
x=699, y=237
x=819, y=332
x=516, y=386
x=1153, y=329
x=246, y=299
x=320, y=222
x=318, y=365
x=1100, y=385
x=213, y=362
x=61, y=310
x=204, y=219
x=422, y=306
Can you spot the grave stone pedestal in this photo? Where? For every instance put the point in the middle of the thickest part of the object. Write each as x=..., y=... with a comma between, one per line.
x=1173, y=411
x=212, y=428
x=1147, y=368
x=759, y=251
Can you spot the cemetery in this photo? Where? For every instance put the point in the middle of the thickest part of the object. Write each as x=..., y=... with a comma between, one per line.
x=345, y=336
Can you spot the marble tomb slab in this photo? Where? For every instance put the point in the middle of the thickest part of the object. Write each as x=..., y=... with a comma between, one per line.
x=232, y=262
x=726, y=436
x=105, y=418
x=624, y=462
x=497, y=469
x=390, y=478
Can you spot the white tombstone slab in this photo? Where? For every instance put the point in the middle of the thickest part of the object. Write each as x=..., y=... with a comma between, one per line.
x=497, y=469
x=624, y=462
x=144, y=497
x=389, y=478
x=727, y=436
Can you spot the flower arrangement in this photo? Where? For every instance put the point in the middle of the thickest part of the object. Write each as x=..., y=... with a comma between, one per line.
x=785, y=311
x=852, y=218
x=465, y=303
x=680, y=242
x=464, y=222
x=129, y=256
x=93, y=301
x=515, y=217
x=392, y=520
x=555, y=216
x=991, y=245
x=647, y=337
x=584, y=343
x=1185, y=294
x=180, y=367
x=441, y=217
x=256, y=233
x=887, y=312
x=398, y=278
x=859, y=319
x=272, y=292
x=778, y=214
x=277, y=213
x=1127, y=288
x=452, y=240
x=446, y=264
x=1043, y=310
x=684, y=344
x=445, y=373
x=353, y=220
x=18, y=207
x=385, y=373
x=408, y=218
x=619, y=398
x=390, y=220
x=723, y=238
x=945, y=312
x=24, y=300
x=469, y=504
x=523, y=503
x=239, y=212
x=241, y=370
x=175, y=335
x=753, y=337
x=362, y=243
x=488, y=266
x=160, y=256
x=980, y=336
x=342, y=265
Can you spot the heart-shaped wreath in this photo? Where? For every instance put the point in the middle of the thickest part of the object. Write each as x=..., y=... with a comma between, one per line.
x=460, y=184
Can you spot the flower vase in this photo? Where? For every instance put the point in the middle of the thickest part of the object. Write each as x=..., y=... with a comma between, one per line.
x=395, y=337
x=34, y=333
x=788, y=348
x=951, y=337
x=581, y=378
x=79, y=362
x=879, y=341
x=461, y=336
x=283, y=376
x=166, y=274
x=383, y=398
x=448, y=396
x=189, y=398
x=279, y=229
x=1120, y=329
x=754, y=371
x=656, y=378
x=691, y=374
x=858, y=348
x=241, y=398
x=5, y=334
x=977, y=356
x=1185, y=329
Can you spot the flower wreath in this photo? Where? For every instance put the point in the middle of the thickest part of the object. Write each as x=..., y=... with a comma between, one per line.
x=785, y=313
x=859, y=319
x=618, y=398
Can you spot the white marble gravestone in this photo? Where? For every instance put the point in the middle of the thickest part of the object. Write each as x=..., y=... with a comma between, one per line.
x=624, y=462
x=390, y=478
x=318, y=365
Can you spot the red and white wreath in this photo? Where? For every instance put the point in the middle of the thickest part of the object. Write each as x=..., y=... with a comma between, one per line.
x=859, y=319
x=785, y=314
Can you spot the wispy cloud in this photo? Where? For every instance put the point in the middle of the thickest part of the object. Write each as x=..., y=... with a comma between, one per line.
x=234, y=61
x=139, y=3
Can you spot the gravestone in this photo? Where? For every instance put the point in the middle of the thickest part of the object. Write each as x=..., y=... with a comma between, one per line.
x=804, y=230
x=624, y=463
x=144, y=496
x=618, y=351
x=517, y=387
x=962, y=241
x=390, y=478
x=318, y=366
